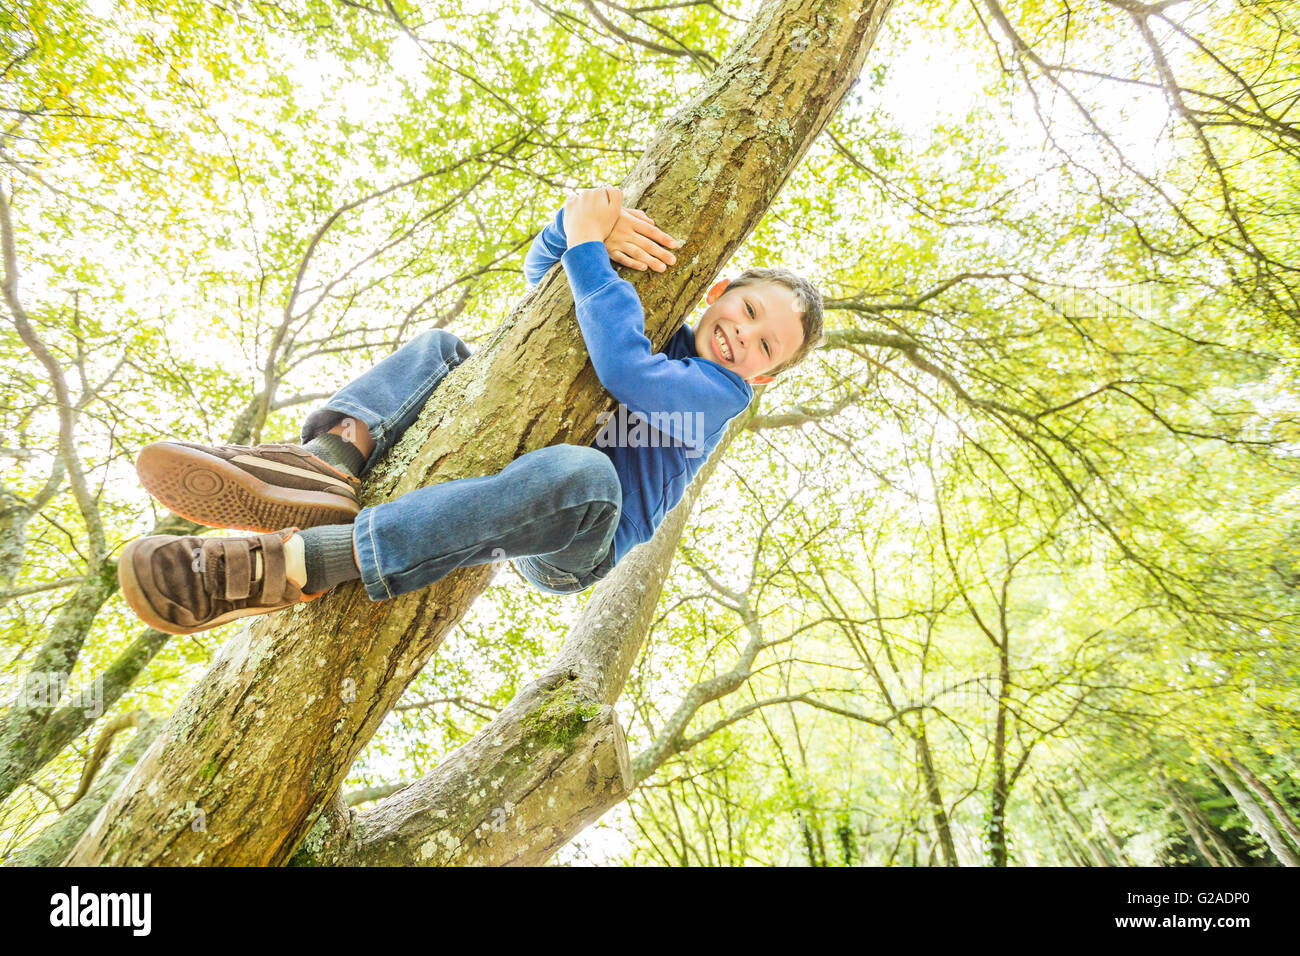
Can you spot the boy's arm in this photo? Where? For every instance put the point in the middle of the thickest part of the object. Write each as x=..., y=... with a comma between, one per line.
x=545, y=250
x=653, y=386
x=635, y=242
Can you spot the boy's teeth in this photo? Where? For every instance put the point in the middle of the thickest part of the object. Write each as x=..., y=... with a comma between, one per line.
x=722, y=343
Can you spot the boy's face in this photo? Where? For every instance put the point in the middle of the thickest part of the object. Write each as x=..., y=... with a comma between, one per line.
x=751, y=329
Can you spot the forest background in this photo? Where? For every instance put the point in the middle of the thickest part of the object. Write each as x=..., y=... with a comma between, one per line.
x=1005, y=573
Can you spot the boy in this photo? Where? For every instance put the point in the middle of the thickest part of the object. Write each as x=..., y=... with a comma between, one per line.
x=565, y=514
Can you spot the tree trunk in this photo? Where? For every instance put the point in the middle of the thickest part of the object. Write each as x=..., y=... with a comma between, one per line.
x=996, y=828
x=367, y=794
x=1227, y=856
x=1264, y=793
x=1190, y=823
x=1255, y=813
x=1077, y=828
x=938, y=812
x=54, y=842
x=265, y=739
x=1113, y=843
x=27, y=746
x=1060, y=837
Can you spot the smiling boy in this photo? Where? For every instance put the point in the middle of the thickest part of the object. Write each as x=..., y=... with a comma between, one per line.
x=565, y=514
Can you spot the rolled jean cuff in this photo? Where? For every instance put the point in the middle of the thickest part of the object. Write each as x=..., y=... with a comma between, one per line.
x=363, y=538
x=388, y=398
x=334, y=411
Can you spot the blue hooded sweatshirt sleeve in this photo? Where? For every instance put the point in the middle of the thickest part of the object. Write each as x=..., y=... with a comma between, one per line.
x=678, y=394
x=545, y=250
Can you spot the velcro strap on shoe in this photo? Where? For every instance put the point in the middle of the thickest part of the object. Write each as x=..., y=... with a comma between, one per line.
x=239, y=566
x=274, y=568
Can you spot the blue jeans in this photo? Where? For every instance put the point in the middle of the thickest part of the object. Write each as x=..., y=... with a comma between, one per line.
x=553, y=510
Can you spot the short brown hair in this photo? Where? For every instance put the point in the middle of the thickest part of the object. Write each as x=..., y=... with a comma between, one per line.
x=807, y=301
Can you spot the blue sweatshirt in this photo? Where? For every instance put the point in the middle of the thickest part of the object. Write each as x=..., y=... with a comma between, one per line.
x=674, y=405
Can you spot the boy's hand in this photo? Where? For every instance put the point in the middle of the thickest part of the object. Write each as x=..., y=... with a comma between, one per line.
x=638, y=243
x=591, y=214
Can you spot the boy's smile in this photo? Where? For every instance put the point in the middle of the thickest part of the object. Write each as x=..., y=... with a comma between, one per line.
x=750, y=329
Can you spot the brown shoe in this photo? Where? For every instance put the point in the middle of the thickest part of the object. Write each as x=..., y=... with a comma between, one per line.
x=257, y=488
x=182, y=585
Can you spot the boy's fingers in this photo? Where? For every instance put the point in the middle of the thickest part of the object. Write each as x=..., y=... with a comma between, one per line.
x=647, y=261
x=657, y=234
x=642, y=260
x=652, y=250
x=624, y=259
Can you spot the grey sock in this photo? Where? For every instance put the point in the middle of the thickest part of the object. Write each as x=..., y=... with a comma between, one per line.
x=327, y=552
x=333, y=450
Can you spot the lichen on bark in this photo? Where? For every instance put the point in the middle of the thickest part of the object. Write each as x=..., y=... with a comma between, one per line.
x=561, y=718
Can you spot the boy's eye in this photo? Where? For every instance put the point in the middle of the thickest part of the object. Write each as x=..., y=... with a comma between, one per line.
x=750, y=309
x=765, y=348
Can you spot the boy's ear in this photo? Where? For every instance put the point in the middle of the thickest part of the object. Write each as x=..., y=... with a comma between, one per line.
x=716, y=290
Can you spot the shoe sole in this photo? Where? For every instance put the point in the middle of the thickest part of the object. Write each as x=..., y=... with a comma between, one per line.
x=211, y=491
x=136, y=600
